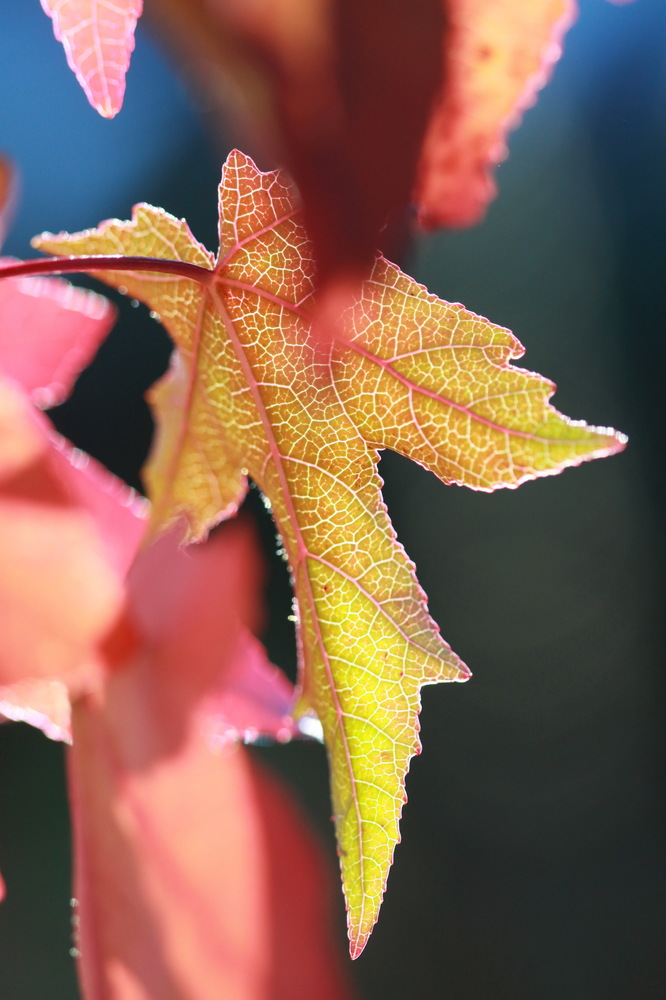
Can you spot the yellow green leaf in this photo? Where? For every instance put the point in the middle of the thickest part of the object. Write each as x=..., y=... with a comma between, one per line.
x=252, y=392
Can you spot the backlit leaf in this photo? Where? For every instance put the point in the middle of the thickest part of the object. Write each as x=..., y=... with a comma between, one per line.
x=98, y=38
x=49, y=332
x=260, y=396
x=498, y=55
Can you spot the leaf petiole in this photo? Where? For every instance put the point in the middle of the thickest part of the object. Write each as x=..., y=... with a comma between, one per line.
x=63, y=265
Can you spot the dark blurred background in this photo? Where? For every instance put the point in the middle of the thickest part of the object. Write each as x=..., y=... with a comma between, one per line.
x=533, y=862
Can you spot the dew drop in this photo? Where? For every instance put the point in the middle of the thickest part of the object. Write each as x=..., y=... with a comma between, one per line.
x=134, y=303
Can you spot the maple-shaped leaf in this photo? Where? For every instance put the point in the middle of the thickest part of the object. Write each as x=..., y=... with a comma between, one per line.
x=257, y=394
x=98, y=38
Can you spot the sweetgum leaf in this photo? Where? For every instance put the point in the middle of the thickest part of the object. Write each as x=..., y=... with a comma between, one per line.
x=259, y=395
x=188, y=609
x=338, y=89
x=98, y=38
x=68, y=530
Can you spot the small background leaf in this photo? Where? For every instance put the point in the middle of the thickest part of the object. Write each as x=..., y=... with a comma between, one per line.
x=499, y=53
x=98, y=38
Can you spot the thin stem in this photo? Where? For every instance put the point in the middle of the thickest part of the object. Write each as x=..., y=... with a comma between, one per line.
x=63, y=265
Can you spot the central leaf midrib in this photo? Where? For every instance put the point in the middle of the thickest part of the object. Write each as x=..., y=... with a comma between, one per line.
x=303, y=551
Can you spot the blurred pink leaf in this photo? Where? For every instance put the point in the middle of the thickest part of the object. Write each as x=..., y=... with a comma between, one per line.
x=98, y=38
x=195, y=877
x=67, y=536
x=188, y=609
x=498, y=54
x=68, y=530
x=49, y=332
x=43, y=704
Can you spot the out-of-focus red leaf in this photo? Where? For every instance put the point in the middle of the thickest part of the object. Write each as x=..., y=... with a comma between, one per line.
x=353, y=119
x=98, y=38
x=498, y=54
x=371, y=104
x=186, y=859
x=188, y=609
x=68, y=530
x=341, y=92
x=7, y=187
x=66, y=541
x=49, y=332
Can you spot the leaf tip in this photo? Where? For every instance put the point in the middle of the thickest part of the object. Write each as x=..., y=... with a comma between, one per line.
x=108, y=109
x=464, y=673
x=357, y=945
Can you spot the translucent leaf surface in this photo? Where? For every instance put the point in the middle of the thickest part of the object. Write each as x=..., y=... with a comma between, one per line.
x=49, y=332
x=98, y=38
x=260, y=396
x=498, y=54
